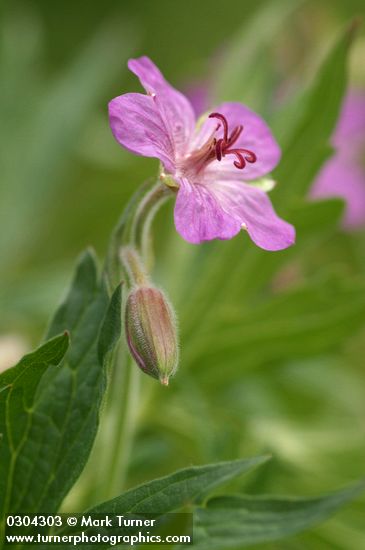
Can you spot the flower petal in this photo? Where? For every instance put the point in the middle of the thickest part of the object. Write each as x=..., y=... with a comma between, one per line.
x=199, y=216
x=253, y=208
x=342, y=178
x=220, y=210
x=256, y=137
x=137, y=125
x=350, y=128
x=174, y=108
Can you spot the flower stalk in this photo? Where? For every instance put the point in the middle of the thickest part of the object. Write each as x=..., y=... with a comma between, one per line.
x=135, y=271
x=144, y=215
x=128, y=254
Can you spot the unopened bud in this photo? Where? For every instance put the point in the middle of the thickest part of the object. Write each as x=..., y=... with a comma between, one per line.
x=151, y=332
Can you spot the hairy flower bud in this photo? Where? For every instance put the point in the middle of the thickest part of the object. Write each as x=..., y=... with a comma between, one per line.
x=151, y=332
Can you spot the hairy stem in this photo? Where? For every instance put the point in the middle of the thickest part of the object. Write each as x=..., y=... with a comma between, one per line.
x=130, y=244
x=146, y=211
x=135, y=271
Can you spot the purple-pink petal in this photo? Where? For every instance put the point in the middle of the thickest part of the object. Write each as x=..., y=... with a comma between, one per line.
x=341, y=177
x=220, y=210
x=199, y=215
x=256, y=137
x=253, y=208
x=174, y=108
x=137, y=125
x=350, y=128
x=213, y=200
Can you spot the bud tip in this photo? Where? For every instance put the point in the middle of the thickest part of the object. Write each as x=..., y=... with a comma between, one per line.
x=164, y=381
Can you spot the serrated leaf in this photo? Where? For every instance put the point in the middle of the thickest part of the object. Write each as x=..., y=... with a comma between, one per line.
x=229, y=522
x=65, y=415
x=18, y=398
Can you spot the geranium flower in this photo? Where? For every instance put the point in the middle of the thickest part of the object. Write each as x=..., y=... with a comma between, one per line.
x=212, y=162
x=343, y=175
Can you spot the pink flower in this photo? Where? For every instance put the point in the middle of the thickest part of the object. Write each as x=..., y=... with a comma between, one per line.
x=343, y=175
x=211, y=162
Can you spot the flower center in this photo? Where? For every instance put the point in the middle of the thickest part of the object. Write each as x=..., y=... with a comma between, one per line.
x=216, y=149
x=223, y=146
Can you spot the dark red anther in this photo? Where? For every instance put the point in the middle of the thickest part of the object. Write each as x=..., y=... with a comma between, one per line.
x=240, y=163
x=223, y=121
x=243, y=156
x=222, y=145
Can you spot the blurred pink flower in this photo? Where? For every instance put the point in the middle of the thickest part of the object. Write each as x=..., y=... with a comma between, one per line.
x=343, y=175
x=211, y=164
x=197, y=94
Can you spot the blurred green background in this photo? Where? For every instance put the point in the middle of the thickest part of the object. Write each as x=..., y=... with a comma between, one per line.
x=272, y=355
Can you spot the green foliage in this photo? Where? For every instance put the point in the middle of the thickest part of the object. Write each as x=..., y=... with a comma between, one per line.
x=223, y=521
x=180, y=489
x=19, y=394
x=239, y=521
x=306, y=144
x=245, y=68
x=183, y=489
x=241, y=310
x=305, y=149
x=43, y=122
x=308, y=321
x=52, y=410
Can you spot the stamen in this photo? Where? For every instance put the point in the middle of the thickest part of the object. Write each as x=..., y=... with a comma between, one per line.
x=243, y=156
x=218, y=149
x=240, y=163
x=235, y=135
x=222, y=145
x=224, y=122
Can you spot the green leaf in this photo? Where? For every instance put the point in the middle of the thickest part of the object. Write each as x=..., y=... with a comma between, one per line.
x=18, y=398
x=64, y=417
x=304, y=151
x=299, y=323
x=168, y=494
x=314, y=222
x=179, y=489
x=315, y=218
x=219, y=287
x=307, y=145
x=234, y=521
